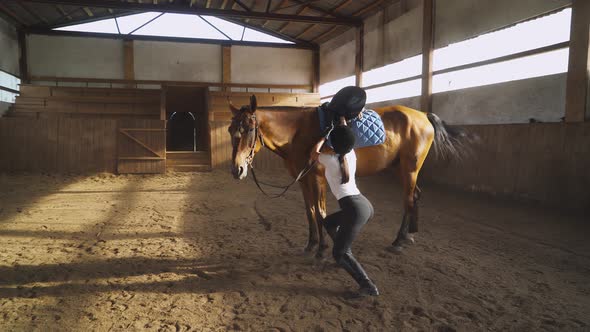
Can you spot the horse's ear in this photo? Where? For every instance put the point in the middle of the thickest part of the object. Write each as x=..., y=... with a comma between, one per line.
x=234, y=110
x=253, y=103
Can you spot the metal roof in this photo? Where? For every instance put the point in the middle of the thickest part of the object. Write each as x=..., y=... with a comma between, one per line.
x=304, y=22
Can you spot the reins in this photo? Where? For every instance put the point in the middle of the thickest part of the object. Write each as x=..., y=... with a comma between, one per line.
x=250, y=159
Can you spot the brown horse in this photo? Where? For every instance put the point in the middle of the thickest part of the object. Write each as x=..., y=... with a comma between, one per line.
x=290, y=132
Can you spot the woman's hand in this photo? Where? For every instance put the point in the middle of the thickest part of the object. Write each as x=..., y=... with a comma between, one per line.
x=314, y=155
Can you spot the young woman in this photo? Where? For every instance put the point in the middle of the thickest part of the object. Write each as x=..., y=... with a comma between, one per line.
x=344, y=226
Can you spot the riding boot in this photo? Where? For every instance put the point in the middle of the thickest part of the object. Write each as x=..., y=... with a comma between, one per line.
x=352, y=266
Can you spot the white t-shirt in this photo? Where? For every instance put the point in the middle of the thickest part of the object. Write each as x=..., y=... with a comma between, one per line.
x=334, y=175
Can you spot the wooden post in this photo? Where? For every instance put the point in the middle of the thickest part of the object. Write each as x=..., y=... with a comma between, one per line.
x=576, y=100
x=315, y=79
x=129, y=64
x=360, y=54
x=163, y=103
x=427, y=49
x=226, y=65
x=23, y=63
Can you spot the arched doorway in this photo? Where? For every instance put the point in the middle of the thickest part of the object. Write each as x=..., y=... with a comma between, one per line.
x=182, y=132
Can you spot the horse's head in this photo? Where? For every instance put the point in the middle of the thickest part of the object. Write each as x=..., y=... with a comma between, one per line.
x=244, y=134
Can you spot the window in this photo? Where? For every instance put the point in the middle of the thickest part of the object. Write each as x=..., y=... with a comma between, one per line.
x=175, y=25
x=547, y=30
x=9, y=82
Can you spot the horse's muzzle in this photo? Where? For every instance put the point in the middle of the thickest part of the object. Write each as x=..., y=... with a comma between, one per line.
x=239, y=172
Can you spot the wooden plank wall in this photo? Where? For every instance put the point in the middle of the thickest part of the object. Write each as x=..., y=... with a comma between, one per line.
x=543, y=162
x=75, y=102
x=62, y=144
x=220, y=116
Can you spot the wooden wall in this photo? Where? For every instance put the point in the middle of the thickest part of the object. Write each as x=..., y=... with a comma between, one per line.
x=543, y=162
x=220, y=116
x=73, y=102
x=62, y=144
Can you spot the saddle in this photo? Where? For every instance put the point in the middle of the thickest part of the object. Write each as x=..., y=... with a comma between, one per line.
x=365, y=123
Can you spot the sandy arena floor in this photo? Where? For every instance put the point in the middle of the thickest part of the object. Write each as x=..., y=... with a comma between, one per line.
x=202, y=252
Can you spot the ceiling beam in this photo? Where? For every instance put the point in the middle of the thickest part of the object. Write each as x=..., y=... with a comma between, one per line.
x=368, y=8
x=88, y=12
x=321, y=36
x=241, y=4
x=174, y=8
x=299, y=11
x=332, y=11
x=321, y=10
x=159, y=38
x=8, y=12
x=278, y=6
x=32, y=13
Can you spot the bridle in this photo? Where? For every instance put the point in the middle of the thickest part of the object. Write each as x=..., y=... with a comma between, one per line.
x=257, y=136
x=250, y=158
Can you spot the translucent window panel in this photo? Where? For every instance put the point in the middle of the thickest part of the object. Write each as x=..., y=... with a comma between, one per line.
x=540, y=32
x=132, y=22
x=253, y=35
x=395, y=91
x=179, y=25
x=8, y=81
x=406, y=68
x=234, y=31
x=330, y=88
x=103, y=26
x=538, y=65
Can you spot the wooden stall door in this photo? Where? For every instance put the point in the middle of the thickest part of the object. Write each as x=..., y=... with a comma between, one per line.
x=141, y=147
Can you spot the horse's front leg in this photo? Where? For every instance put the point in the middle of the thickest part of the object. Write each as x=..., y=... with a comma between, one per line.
x=318, y=186
x=312, y=240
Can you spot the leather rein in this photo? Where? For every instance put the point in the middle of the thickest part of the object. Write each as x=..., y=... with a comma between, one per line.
x=250, y=159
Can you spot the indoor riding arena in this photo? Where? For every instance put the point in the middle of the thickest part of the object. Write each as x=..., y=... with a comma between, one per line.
x=159, y=171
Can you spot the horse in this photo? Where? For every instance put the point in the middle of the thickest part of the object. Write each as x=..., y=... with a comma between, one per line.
x=290, y=132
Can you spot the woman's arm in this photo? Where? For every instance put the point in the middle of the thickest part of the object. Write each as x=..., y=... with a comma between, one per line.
x=315, y=151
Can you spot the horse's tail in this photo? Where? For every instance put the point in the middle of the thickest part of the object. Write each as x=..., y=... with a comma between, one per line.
x=450, y=142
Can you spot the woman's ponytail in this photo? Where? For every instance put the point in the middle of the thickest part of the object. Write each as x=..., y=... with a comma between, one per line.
x=344, y=168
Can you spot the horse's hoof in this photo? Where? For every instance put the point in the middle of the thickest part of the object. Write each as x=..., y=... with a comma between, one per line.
x=409, y=239
x=321, y=256
x=395, y=248
x=308, y=251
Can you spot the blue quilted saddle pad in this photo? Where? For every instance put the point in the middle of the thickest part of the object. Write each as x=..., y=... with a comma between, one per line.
x=368, y=128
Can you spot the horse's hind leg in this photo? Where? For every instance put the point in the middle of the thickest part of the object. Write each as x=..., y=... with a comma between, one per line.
x=409, y=176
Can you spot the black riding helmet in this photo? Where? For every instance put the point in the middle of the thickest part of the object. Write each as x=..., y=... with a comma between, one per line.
x=348, y=102
x=342, y=139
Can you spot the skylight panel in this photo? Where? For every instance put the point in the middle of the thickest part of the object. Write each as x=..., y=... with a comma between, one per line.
x=179, y=25
x=175, y=25
x=234, y=31
x=253, y=35
x=102, y=26
x=129, y=23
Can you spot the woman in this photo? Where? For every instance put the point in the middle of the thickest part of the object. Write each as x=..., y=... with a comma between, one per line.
x=344, y=225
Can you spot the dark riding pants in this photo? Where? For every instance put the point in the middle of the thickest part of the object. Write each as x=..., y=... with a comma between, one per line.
x=343, y=227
